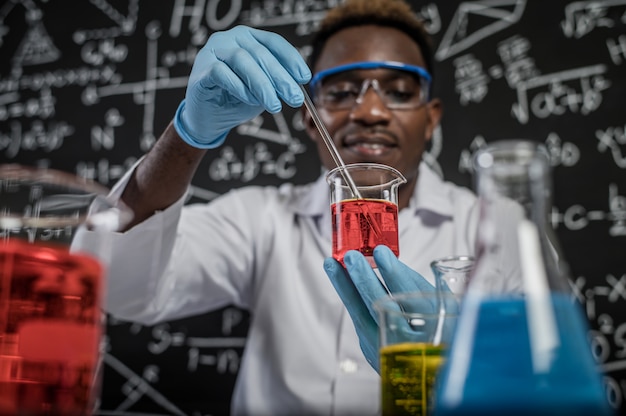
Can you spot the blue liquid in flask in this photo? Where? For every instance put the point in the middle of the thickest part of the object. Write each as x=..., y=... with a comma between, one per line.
x=489, y=371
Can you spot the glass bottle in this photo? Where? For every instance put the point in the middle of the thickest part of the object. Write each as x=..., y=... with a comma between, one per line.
x=521, y=346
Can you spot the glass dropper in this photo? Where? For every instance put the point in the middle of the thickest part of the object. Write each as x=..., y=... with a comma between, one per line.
x=328, y=141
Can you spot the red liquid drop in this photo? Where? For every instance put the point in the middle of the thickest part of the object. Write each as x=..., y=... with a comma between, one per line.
x=50, y=329
x=363, y=224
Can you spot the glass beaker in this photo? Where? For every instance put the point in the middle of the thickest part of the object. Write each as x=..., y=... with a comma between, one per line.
x=520, y=349
x=367, y=219
x=51, y=320
x=452, y=273
x=415, y=330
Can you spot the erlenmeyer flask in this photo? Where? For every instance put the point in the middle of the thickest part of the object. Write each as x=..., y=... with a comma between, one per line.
x=520, y=347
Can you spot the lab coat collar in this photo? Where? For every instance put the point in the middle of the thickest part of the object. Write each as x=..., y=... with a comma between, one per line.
x=315, y=201
x=429, y=195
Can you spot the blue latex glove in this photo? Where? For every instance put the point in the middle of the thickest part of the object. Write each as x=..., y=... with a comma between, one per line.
x=358, y=287
x=237, y=75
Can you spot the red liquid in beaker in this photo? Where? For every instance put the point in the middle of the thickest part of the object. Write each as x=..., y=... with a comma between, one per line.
x=50, y=329
x=363, y=224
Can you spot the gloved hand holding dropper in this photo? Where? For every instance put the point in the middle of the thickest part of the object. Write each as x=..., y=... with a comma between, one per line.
x=235, y=77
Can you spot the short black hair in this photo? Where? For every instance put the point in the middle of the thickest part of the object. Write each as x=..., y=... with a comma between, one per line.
x=391, y=13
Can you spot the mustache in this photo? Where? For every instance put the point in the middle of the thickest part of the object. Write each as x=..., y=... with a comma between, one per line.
x=369, y=132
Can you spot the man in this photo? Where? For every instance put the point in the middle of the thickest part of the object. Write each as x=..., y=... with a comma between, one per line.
x=263, y=248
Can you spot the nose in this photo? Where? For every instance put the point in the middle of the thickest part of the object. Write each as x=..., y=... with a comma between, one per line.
x=370, y=106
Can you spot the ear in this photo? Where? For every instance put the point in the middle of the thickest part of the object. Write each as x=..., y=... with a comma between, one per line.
x=434, y=111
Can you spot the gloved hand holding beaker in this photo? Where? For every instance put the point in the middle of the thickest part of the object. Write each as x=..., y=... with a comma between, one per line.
x=359, y=287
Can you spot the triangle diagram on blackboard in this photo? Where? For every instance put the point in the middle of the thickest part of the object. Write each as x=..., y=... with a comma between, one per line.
x=137, y=388
x=477, y=20
x=36, y=47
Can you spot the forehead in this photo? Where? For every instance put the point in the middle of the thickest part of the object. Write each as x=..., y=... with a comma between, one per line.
x=369, y=43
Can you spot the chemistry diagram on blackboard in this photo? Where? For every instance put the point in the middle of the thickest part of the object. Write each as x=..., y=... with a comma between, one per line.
x=89, y=91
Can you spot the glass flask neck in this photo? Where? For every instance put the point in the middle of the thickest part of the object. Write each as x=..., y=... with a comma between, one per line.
x=513, y=181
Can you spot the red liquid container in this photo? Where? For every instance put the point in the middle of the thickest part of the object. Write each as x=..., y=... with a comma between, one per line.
x=50, y=329
x=362, y=224
x=364, y=208
x=55, y=241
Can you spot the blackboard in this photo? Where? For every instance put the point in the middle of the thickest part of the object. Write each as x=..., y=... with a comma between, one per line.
x=86, y=87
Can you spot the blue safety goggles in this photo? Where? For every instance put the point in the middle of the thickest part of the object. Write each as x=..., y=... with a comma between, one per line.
x=347, y=93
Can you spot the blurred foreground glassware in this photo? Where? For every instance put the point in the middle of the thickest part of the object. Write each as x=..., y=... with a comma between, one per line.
x=521, y=351
x=415, y=330
x=51, y=320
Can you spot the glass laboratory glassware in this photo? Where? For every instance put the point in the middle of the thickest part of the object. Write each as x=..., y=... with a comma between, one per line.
x=521, y=342
x=452, y=273
x=361, y=222
x=415, y=329
x=51, y=322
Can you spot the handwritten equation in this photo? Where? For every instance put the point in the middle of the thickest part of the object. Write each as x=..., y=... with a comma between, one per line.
x=184, y=351
x=608, y=341
x=91, y=95
x=30, y=98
